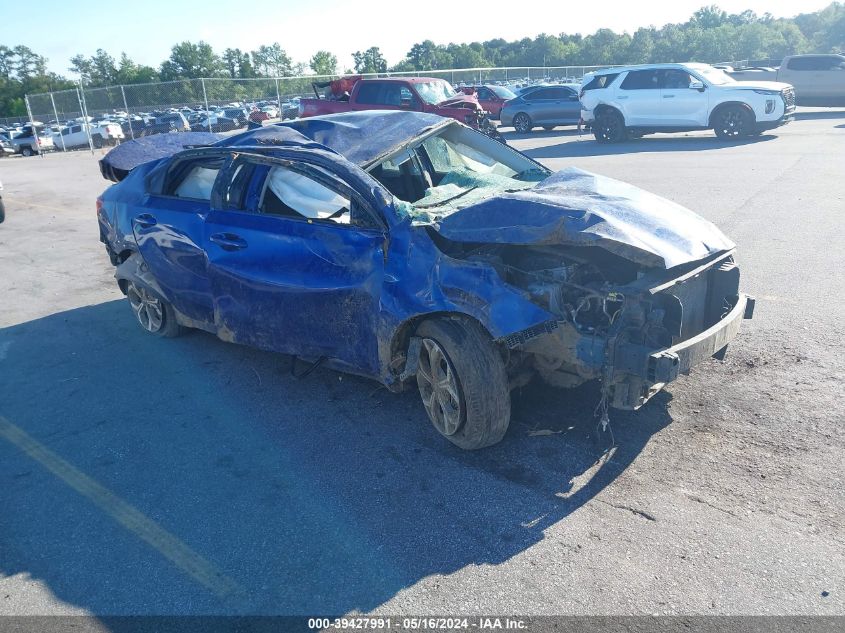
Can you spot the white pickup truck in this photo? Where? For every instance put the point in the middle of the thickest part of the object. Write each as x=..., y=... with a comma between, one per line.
x=32, y=141
x=101, y=134
x=631, y=101
x=819, y=80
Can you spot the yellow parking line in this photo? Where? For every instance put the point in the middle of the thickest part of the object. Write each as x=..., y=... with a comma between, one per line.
x=123, y=513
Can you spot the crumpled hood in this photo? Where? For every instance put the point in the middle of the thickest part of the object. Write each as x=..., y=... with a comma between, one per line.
x=575, y=207
x=459, y=100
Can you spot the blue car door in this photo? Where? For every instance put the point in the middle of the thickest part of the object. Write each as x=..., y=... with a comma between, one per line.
x=168, y=229
x=296, y=262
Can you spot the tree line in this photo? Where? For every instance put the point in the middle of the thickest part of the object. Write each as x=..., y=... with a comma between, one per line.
x=710, y=35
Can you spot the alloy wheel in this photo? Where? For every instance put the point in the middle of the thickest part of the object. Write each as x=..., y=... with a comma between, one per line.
x=148, y=309
x=522, y=123
x=439, y=388
x=732, y=123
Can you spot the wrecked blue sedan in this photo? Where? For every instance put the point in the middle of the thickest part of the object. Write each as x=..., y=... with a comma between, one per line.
x=410, y=248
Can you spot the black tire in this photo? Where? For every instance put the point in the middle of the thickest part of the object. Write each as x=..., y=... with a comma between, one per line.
x=97, y=140
x=2, y=211
x=522, y=123
x=609, y=127
x=479, y=378
x=140, y=301
x=26, y=150
x=732, y=122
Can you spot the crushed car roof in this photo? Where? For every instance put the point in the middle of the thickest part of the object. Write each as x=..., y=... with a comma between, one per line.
x=360, y=137
x=128, y=155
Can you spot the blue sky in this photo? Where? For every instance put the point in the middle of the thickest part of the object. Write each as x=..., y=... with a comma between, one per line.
x=147, y=29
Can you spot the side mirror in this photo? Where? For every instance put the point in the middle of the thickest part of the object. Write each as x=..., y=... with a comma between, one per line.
x=697, y=85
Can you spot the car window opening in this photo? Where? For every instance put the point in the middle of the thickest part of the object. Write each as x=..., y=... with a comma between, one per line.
x=198, y=183
x=289, y=193
x=452, y=170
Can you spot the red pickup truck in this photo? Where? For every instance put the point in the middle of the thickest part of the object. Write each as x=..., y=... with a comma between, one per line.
x=418, y=94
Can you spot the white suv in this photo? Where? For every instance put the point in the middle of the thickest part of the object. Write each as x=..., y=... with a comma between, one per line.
x=637, y=100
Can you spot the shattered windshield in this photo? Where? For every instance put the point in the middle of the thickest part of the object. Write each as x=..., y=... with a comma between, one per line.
x=434, y=92
x=451, y=170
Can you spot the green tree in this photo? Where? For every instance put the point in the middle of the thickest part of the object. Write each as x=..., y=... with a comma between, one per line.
x=323, y=63
x=128, y=72
x=191, y=61
x=369, y=61
x=98, y=70
x=272, y=61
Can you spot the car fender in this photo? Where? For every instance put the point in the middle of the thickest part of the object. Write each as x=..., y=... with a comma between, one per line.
x=608, y=107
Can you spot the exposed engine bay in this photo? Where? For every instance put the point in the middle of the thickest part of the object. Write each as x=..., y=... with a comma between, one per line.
x=610, y=314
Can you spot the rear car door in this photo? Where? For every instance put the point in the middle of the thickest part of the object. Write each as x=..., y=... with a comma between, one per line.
x=296, y=262
x=681, y=105
x=168, y=228
x=640, y=99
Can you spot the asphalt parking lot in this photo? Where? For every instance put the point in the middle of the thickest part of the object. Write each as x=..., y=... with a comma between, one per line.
x=191, y=476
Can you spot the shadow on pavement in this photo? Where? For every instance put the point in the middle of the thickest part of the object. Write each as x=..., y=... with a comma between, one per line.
x=321, y=495
x=540, y=132
x=587, y=146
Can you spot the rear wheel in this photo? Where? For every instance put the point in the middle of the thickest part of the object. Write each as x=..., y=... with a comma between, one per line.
x=155, y=315
x=609, y=127
x=733, y=122
x=522, y=123
x=97, y=140
x=463, y=384
x=26, y=150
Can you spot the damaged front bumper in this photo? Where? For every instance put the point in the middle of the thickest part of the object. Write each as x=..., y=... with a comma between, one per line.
x=664, y=328
x=638, y=373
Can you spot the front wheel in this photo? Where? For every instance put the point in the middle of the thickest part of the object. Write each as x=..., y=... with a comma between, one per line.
x=522, y=123
x=463, y=384
x=609, y=127
x=153, y=314
x=733, y=122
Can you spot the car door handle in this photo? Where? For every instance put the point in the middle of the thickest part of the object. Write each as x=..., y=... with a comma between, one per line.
x=228, y=241
x=668, y=96
x=623, y=97
x=145, y=221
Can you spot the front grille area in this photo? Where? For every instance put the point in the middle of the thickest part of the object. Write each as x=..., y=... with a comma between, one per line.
x=788, y=99
x=523, y=336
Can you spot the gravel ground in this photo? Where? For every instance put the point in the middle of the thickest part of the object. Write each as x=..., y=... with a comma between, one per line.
x=190, y=476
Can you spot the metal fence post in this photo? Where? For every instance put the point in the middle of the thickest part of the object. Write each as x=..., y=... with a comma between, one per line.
x=279, y=99
x=205, y=98
x=56, y=114
x=80, y=94
x=32, y=122
x=128, y=116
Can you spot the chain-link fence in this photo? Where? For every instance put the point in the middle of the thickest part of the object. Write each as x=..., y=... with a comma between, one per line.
x=91, y=117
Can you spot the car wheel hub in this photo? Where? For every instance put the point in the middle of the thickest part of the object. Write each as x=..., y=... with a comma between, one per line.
x=148, y=309
x=439, y=388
